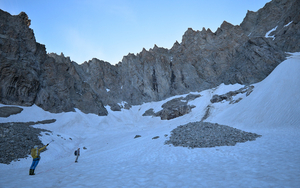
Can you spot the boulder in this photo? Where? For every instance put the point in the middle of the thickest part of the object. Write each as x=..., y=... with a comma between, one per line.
x=7, y=111
x=174, y=108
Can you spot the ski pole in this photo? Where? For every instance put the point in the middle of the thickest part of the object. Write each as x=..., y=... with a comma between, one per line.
x=50, y=142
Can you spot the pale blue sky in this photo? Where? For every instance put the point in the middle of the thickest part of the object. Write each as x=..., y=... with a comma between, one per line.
x=110, y=29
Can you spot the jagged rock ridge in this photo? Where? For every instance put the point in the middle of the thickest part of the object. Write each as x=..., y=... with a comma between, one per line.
x=233, y=54
x=30, y=76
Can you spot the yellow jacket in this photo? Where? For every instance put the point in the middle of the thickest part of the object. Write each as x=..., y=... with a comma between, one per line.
x=35, y=153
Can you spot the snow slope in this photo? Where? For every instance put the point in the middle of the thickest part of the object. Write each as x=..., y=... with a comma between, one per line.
x=113, y=157
x=274, y=103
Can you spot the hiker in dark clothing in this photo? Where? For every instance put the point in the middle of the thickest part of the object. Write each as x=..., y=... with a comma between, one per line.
x=77, y=153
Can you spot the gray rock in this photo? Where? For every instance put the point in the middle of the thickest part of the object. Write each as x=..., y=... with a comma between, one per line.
x=228, y=96
x=205, y=134
x=191, y=97
x=18, y=138
x=174, y=108
x=137, y=136
x=149, y=112
x=7, y=111
x=127, y=106
x=207, y=113
x=115, y=107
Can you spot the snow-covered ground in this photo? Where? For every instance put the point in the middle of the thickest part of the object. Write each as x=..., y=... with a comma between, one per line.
x=113, y=158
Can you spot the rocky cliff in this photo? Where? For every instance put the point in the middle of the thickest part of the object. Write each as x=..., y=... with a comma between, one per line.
x=244, y=54
x=233, y=54
x=30, y=76
x=278, y=21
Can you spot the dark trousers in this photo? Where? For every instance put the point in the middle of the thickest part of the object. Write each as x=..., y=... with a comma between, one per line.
x=35, y=162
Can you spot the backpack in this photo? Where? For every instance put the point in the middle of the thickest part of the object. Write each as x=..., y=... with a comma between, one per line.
x=75, y=152
x=32, y=153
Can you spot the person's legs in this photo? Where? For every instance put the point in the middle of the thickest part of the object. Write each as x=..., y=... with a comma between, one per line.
x=76, y=159
x=33, y=166
x=37, y=160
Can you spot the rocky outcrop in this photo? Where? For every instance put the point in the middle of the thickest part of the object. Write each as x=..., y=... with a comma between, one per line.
x=7, y=111
x=104, y=80
x=228, y=96
x=174, y=108
x=243, y=54
x=62, y=89
x=20, y=58
x=30, y=76
x=279, y=21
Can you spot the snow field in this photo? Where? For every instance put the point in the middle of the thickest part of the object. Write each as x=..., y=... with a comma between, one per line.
x=113, y=157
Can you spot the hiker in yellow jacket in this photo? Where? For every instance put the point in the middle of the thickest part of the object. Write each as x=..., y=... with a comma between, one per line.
x=35, y=153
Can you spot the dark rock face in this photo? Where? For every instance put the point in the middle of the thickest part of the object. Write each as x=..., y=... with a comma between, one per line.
x=20, y=58
x=280, y=14
x=30, y=76
x=62, y=89
x=7, y=111
x=241, y=54
x=104, y=81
